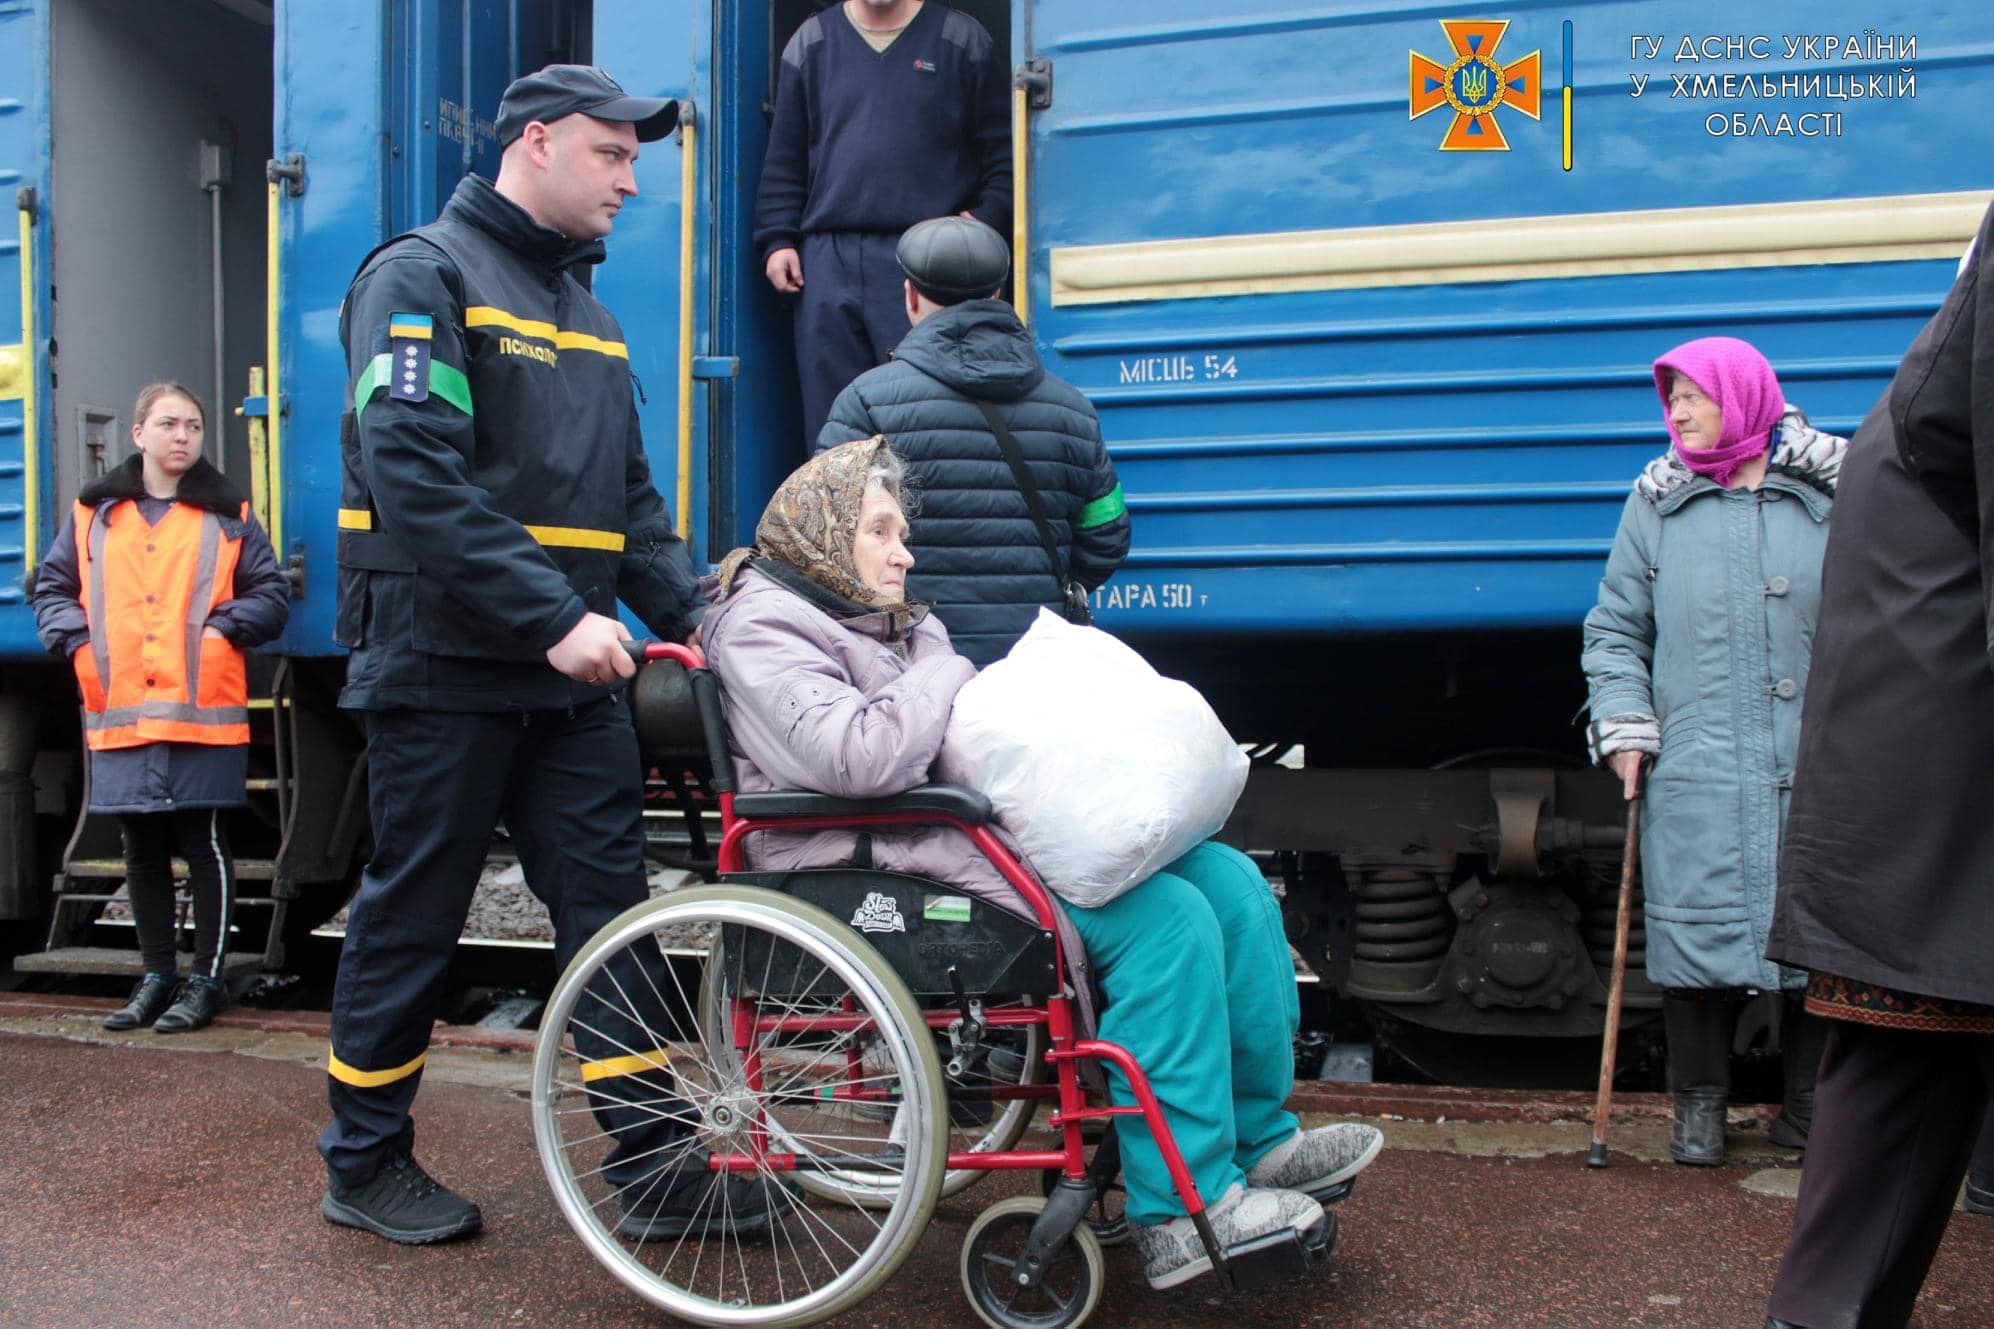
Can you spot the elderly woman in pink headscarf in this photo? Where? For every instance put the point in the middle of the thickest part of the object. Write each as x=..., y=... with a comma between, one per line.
x=1696, y=661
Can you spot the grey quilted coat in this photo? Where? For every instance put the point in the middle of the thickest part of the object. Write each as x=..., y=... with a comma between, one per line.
x=1705, y=623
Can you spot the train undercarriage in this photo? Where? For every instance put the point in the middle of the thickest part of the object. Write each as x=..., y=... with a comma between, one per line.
x=1464, y=914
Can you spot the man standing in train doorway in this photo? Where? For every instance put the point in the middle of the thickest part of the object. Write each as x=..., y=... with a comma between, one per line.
x=496, y=504
x=1020, y=504
x=887, y=112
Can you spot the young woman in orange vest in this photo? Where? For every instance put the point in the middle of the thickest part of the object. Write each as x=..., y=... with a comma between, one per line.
x=154, y=586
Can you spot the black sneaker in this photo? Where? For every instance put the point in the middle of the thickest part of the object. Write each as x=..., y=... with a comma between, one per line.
x=200, y=1000
x=672, y=1208
x=402, y=1203
x=149, y=998
x=1980, y=1195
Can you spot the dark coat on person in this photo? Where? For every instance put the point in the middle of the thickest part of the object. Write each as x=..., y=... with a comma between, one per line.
x=473, y=539
x=978, y=558
x=1888, y=875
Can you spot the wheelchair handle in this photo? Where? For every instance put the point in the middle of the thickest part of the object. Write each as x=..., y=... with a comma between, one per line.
x=705, y=695
x=642, y=652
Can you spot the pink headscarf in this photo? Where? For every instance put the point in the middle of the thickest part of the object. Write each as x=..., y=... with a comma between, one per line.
x=1733, y=374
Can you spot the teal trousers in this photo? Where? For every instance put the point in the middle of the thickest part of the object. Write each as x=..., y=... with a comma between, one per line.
x=1198, y=985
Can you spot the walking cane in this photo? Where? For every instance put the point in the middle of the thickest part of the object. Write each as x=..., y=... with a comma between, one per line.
x=1630, y=857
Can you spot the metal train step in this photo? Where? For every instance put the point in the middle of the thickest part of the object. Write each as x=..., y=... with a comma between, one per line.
x=111, y=960
x=246, y=869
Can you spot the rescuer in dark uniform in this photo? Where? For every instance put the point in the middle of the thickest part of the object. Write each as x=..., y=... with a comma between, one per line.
x=496, y=505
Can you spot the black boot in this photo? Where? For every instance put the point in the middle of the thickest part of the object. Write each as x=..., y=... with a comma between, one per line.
x=1801, y=1038
x=402, y=1203
x=1698, y=1024
x=149, y=998
x=1980, y=1172
x=200, y=1000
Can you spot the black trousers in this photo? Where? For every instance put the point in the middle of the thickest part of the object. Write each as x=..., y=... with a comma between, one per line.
x=1895, y=1119
x=201, y=838
x=569, y=786
x=851, y=314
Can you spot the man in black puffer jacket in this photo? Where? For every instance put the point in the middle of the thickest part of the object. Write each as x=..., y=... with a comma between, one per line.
x=978, y=557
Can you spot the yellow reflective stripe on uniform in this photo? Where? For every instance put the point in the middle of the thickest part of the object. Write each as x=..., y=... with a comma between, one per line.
x=564, y=537
x=360, y=1079
x=577, y=537
x=581, y=341
x=485, y=316
x=634, y=1064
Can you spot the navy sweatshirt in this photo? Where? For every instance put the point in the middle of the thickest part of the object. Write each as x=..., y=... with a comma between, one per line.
x=868, y=140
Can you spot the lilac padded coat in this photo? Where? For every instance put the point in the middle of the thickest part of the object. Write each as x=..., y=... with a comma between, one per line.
x=839, y=706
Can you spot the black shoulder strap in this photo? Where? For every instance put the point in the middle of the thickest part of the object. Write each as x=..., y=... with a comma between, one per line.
x=1026, y=486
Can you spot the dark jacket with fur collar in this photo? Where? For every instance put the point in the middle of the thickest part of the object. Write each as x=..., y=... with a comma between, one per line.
x=261, y=600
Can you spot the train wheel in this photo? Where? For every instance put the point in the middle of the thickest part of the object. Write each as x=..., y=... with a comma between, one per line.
x=638, y=1084
x=1065, y=1296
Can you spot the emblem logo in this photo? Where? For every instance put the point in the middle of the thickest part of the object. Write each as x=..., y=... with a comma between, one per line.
x=879, y=913
x=1475, y=86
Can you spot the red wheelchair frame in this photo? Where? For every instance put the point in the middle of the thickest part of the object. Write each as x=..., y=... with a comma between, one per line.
x=1072, y=1110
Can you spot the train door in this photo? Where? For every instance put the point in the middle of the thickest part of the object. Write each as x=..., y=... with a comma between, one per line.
x=743, y=406
x=155, y=217
x=386, y=105
x=24, y=492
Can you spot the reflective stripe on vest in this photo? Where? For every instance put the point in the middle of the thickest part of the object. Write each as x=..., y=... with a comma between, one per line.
x=120, y=725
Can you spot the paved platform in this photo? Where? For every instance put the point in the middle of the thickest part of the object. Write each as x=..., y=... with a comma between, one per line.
x=156, y=1180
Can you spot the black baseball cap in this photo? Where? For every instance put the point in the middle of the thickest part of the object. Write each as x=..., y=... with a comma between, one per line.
x=557, y=91
x=952, y=259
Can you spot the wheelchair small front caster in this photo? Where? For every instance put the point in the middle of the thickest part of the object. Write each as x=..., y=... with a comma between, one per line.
x=1066, y=1290
x=1106, y=1218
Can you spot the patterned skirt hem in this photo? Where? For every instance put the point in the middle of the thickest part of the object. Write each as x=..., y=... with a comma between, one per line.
x=1837, y=998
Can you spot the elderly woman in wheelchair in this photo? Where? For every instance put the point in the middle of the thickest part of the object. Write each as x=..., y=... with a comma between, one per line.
x=792, y=1095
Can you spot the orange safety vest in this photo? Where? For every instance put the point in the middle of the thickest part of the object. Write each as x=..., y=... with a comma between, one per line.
x=150, y=674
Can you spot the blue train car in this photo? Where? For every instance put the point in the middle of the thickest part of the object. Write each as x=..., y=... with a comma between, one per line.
x=1366, y=295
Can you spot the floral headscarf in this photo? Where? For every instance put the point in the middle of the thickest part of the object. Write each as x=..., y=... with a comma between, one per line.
x=812, y=523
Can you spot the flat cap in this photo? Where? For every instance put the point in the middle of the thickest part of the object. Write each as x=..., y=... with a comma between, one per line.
x=952, y=259
x=559, y=91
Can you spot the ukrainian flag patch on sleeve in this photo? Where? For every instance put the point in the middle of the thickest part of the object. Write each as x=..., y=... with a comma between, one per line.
x=408, y=346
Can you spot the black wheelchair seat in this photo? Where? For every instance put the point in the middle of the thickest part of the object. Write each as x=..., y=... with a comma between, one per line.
x=934, y=936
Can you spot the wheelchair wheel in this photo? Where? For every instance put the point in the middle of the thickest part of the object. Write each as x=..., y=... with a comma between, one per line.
x=1012, y=1057
x=1065, y=1296
x=674, y=1138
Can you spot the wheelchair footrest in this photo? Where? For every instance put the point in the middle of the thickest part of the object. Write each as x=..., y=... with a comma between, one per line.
x=1280, y=1256
x=1336, y=1194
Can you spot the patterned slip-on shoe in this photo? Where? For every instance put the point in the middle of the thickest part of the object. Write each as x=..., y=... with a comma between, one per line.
x=1173, y=1254
x=1320, y=1163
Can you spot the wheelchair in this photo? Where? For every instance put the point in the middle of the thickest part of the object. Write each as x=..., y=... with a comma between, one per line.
x=866, y=1042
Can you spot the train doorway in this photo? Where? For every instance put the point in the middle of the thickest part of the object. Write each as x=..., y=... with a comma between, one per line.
x=765, y=425
x=160, y=120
